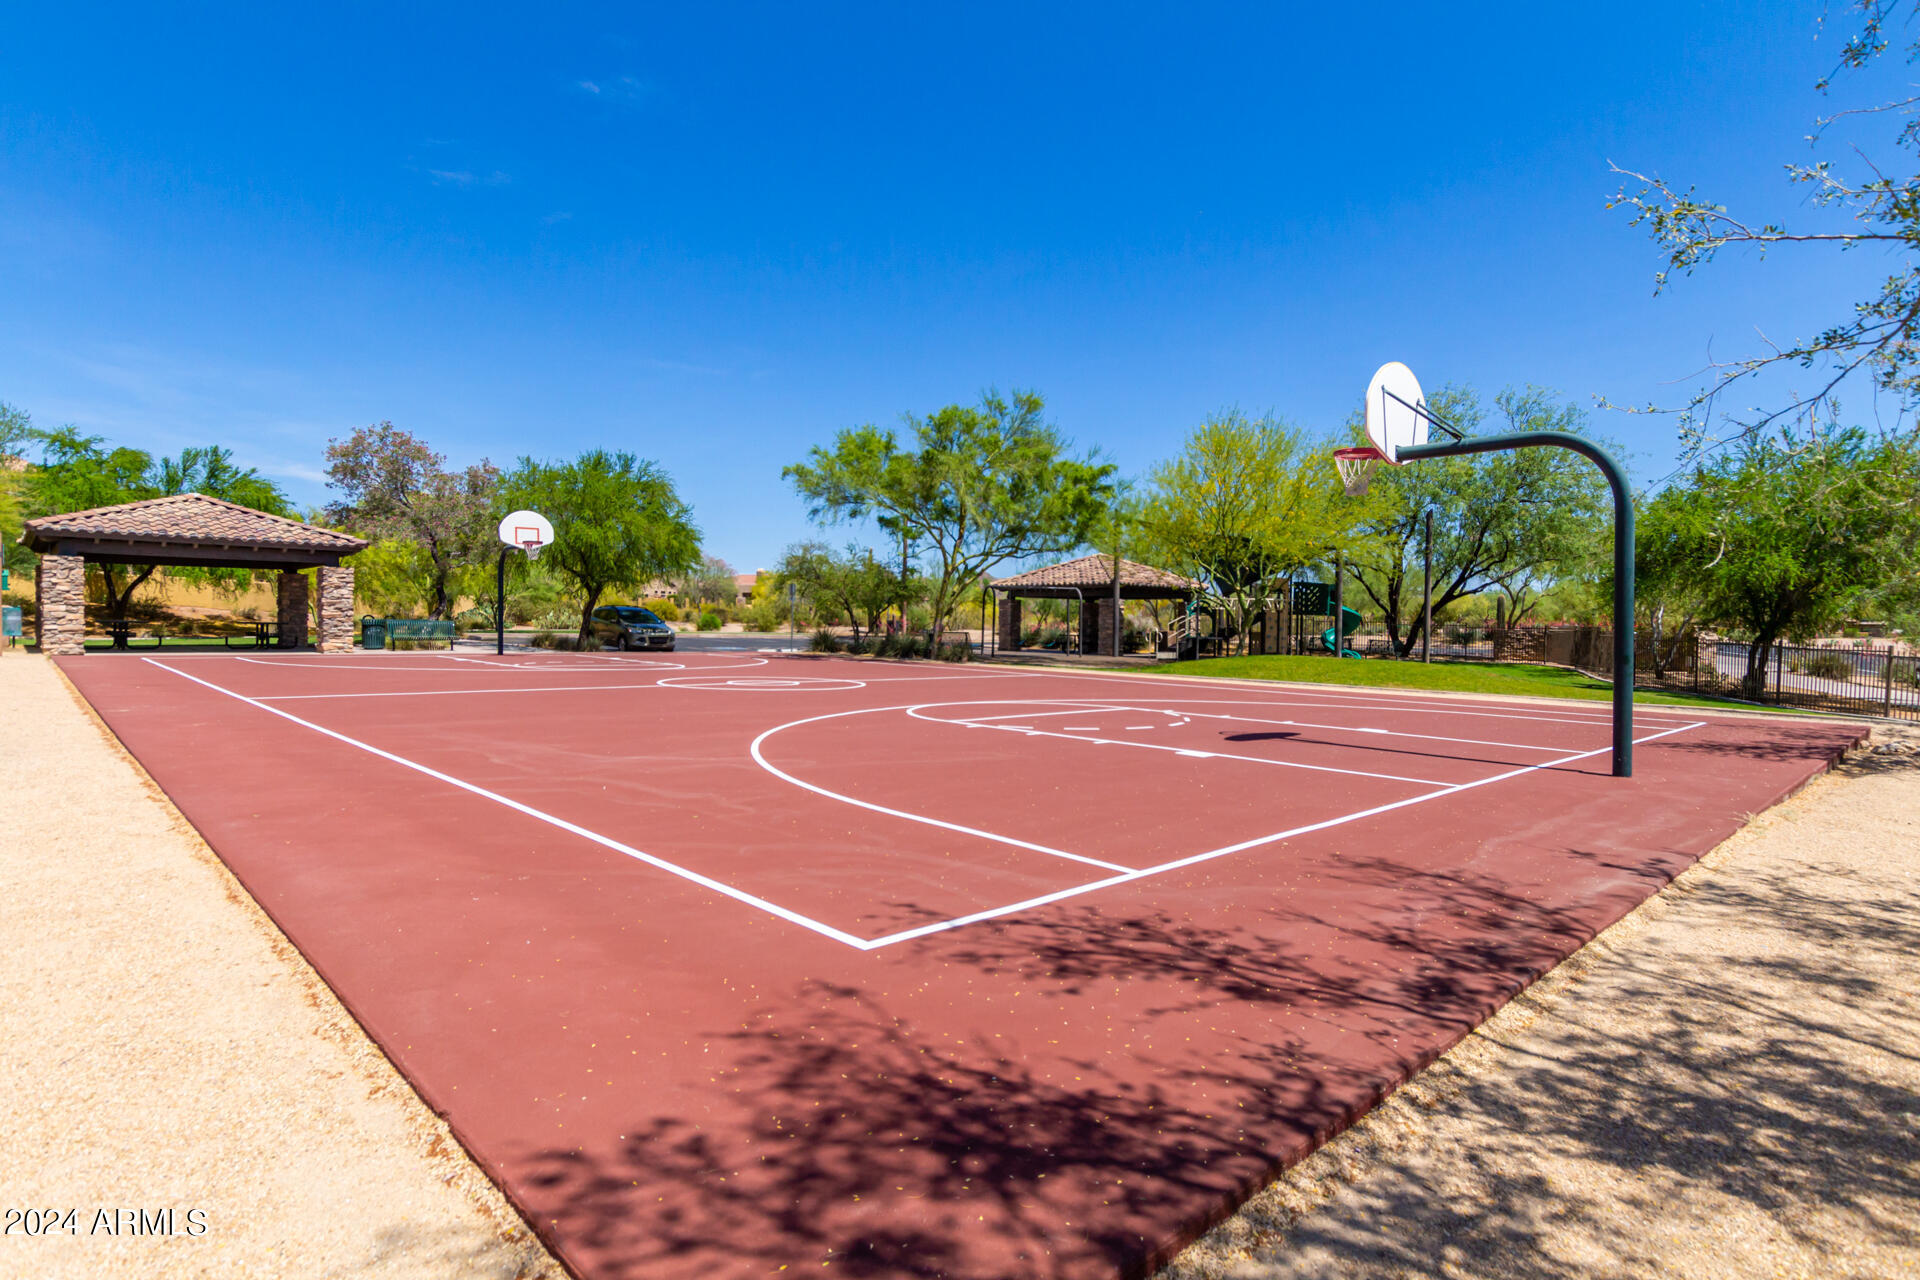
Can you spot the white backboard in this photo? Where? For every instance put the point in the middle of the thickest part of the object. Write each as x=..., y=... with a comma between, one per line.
x=526, y=528
x=1391, y=423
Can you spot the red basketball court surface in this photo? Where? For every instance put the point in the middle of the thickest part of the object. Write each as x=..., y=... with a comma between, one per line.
x=733, y=965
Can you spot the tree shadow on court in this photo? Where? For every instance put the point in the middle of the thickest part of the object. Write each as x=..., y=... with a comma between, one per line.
x=846, y=1138
x=1786, y=744
x=1739, y=1099
x=842, y=1133
x=1431, y=951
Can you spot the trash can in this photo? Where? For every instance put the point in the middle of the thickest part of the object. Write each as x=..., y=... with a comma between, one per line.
x=373, y=632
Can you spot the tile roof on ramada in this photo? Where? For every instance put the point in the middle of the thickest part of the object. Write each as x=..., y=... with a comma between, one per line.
x=193, y=519
x=1097, y=571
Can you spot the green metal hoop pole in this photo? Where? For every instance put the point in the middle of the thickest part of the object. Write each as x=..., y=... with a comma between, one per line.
x=1622, y=557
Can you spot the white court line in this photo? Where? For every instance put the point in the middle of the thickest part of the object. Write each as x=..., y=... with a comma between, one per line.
x=754, y=751
x=1239, y=702
x=1348, y=728
x=1157, y=746
x=1076, y=710
x=906, y=935
x=448, y=693
x=542, y=665
x=1380, y=698
x=708, y=882
x=1280, y=700
x=873, y=944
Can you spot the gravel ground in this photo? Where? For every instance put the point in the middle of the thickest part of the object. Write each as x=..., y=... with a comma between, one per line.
x=166, y=1048
x=1724, y=1084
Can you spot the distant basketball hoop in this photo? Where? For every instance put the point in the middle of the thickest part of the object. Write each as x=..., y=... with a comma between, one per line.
x=528, y=530
x=531, y=532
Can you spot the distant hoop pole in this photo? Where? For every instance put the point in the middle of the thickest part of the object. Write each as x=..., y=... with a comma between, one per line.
x=1622, y=557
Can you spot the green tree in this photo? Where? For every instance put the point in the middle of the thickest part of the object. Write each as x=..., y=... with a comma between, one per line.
x=77, y=473
x=710, y=582
x=854, y=584
x=393, y=486
x=1246, y=504
x=984, y=485
x=1504, y=522
x=1781, y=538
x=16, y=433
x=1857, y=204
x=617, y=522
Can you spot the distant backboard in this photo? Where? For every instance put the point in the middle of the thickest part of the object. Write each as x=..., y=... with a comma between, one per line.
x=528, y=530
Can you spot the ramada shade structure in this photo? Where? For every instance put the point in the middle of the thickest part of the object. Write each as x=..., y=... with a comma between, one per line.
x=189, y=529
x=1089, y=580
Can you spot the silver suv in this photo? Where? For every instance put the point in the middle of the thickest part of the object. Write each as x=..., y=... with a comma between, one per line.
x=625, y=626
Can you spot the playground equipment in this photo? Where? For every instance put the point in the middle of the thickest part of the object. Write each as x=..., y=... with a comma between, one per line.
x=1349, y=620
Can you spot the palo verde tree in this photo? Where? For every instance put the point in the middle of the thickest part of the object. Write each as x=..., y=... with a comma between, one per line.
x=1501, y=521
x=1781, y=536
x=980, y=486
x=1853, y=204
x=854, y=584
x=77, y=472
x=1246, y=504
x=618, y=523
x=392, y=486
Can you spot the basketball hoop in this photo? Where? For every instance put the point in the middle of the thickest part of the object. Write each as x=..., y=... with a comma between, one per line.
x=1357, y=467
x=530, y=531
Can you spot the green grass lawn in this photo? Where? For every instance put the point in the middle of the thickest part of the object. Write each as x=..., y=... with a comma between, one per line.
x=241, y=640
x=1455, y=677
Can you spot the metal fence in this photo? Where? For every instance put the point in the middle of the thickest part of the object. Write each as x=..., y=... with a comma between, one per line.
x=1870, y=681
x=1462, y=643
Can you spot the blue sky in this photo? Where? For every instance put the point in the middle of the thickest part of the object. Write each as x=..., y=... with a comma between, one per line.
x=714, y=235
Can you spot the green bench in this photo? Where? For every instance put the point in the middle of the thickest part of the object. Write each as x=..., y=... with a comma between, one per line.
x=415, y=630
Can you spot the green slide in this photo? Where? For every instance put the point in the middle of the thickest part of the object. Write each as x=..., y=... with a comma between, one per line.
x=1349, y=619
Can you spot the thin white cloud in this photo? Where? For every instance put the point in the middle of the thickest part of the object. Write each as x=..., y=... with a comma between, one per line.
x=589, y=86
x=467, y=178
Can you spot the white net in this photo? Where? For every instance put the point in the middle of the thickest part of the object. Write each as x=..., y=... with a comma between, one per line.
x=1356, y=468
x=533, y=549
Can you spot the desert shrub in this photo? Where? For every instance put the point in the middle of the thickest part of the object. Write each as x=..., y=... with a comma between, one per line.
x=556, y=617
x=710, y=620
x=901, y=645
x=764, y=615
x=955, y=651
x=667, y=610
x=824, y=641
x=570, y=642
x=1823, y=666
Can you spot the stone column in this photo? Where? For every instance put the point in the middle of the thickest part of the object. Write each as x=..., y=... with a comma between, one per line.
x=1103, y=625
x=1008, y=623
x=60, y=605
x=336, y=610
x=291, y=592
